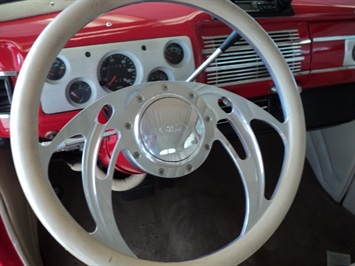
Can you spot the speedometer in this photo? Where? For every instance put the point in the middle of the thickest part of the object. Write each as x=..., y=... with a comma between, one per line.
x=117, y=71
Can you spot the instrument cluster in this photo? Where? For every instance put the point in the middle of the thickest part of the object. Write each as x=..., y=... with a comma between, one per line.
x=81, y=75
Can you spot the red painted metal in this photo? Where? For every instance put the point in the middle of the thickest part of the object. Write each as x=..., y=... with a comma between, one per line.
x=323, y=51
x=328, y=53
x=105, y=154
x=320, y=10
x=8, y=255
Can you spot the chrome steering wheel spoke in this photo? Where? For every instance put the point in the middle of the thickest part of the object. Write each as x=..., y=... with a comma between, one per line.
x=87, y=132
x=98, y=194
x=242, y=112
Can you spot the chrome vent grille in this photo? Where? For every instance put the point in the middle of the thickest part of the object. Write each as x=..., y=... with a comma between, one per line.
x=240, y=63
x=5, y=95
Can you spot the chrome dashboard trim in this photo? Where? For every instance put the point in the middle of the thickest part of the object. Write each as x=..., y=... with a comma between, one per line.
x=240, y=64
x=6, y=90
x=300, y=42
x=301, y=73
x=349, y=50
x=8, y=73
x=325, y=70
x=334, y=38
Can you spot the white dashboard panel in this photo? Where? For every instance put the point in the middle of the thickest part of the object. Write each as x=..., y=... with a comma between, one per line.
x=83, y=63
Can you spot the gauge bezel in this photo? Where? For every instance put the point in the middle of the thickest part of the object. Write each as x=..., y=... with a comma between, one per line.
x=92, y=96
x=186, y=50
x=66, y=74
x=132, y=57
x=166, y=70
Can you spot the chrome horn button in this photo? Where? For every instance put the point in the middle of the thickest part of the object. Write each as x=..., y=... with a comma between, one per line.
x=171, y=129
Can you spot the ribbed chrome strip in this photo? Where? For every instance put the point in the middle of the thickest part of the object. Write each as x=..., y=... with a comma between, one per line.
x=240, y=63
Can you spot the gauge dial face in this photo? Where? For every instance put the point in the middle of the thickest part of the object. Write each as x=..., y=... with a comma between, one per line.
x=157, y=75
x=79, y=92
x=174, y=53
x=116, y=72
x=57, y=70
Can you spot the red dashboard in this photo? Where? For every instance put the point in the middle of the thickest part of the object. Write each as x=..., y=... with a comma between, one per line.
x=317, y=42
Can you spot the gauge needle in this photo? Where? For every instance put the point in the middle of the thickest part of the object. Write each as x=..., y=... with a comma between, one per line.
x=75, y=95
x=112, y=80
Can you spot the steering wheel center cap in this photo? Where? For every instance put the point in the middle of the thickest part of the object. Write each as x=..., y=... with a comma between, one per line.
x=171, y=129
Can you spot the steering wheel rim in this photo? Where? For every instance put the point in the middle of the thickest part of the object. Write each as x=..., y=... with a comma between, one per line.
x=25, y=147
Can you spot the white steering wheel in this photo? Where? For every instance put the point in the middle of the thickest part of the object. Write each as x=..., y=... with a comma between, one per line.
x=138, y=116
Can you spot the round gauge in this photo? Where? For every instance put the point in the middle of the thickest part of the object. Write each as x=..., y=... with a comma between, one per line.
x=157, y=75
x=57, y=70
x=116, y=72
x=174, y=53
x=79, y=92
